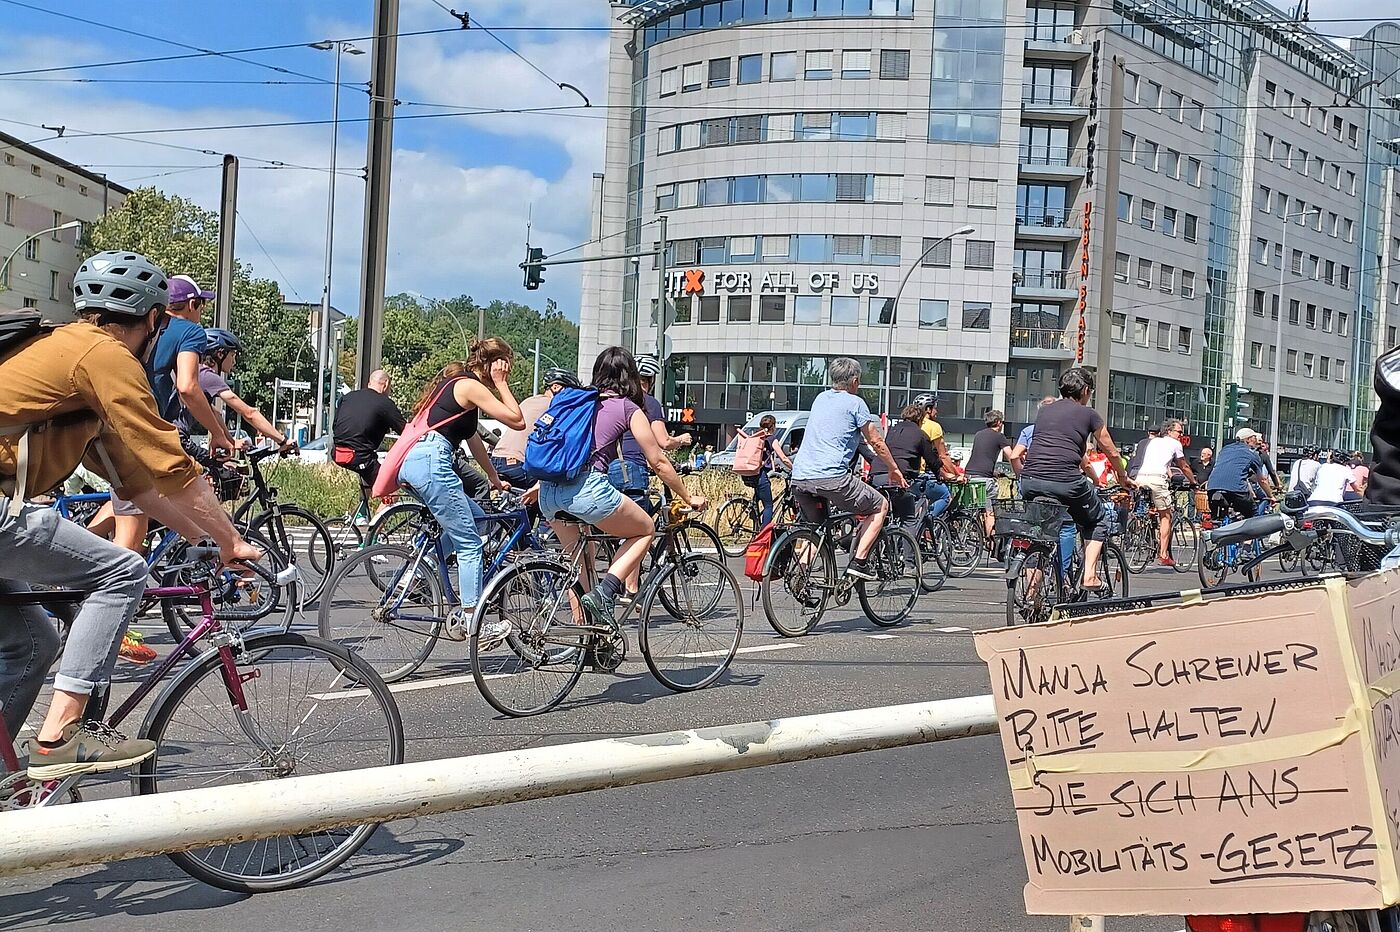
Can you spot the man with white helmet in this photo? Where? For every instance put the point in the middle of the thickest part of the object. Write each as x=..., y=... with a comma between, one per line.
x=75, y=394
x=629, y=472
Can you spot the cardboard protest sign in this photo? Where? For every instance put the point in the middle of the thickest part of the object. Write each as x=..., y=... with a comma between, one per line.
x=1218, y=755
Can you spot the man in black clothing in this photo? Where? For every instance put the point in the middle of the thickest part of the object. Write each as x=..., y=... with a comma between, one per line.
x=912, y=452
x=362, y=420
x=988, y=446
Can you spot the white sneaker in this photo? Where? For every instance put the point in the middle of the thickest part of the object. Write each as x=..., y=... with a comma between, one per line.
x=493, y=634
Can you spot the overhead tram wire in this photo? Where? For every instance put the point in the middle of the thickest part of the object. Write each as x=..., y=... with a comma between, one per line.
x=191, y=81
x=282, y=275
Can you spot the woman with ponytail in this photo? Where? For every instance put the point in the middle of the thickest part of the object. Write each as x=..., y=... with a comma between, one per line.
x=455, y=399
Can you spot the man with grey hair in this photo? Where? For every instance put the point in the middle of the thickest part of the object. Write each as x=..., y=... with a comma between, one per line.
x=363, y=419
x=821, y=469
x=1159, y=455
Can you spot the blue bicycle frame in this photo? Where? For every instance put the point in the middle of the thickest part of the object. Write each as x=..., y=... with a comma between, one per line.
x=62, y=504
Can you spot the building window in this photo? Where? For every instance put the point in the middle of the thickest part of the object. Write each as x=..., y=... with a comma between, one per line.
x=977, y=315
x=1147, y=217
x=941, y=255
x=1291, y=363
x=1164, y=337
x=777, y=247
x=1183, y=340
x=817, y=66
x=1117, y=327
x=30, y=303
x=884, y=250
x=1144, y=273
x=1149, y=155
x=670, y=81
x=845, y=311
x=53, y=285
x=743, y=248
x=855, y=64
x=1167, y=281
x=750, y=69
x=1295, y=312
x=1256, y=355
x=772, y=308
x=719, y=72
x=1171, y=164
x=981, y=254
x=1152, y=96
x=1169, y=221
x=1120, y=267
x=938, y=190
x=35, y=171
x=807, y=309
x=1188, y=284
x=933, y=314
x=894, y=64
x=782, y=66
x=1193, y=172
x=881, y=312
x=692, y=76
x=1140, y=331
x=31, y=250
x=1343, y=324
x=10, y=209
x=1125, y=207
x=1308, y=367
x=709, y=309
x=982, y=192
x=739, y=309
x=1129, y=147
x=1324, y=367
x=1189, y=228
x=665, y=197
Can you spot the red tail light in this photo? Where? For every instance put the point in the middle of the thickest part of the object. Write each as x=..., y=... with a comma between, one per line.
x=1282, y=922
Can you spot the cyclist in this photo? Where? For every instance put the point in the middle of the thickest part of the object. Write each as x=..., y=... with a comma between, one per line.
x=509, y=455
x=455, y=400
x=939, y=495
x=911, y=450
x=83, y=386
x=762, y=482
x=821, y=470
x=1383, y=483
x=1017, y=456
x=1335, y=481
x=221, y=349
x=363, y=418
x=1159, y=455
x=594, y=500
x=629, y=471
x=988, y=446
x=1237, y=468
x=1303, y=473
x=1054, y=469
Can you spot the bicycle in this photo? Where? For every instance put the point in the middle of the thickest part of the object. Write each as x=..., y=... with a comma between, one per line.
x=740, y=517
x=410, y=589
x=965, y=528
x=1039, y=575
x=1221, y=554
x=297, y=534
x=689, y=604
x=282, y=705
x=801, y=579
x=933, y=536
x=1141, y=541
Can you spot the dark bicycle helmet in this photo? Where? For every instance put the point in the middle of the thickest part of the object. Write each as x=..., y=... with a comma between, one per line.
x=563, y=377
x=217, y=339
x=120, y=282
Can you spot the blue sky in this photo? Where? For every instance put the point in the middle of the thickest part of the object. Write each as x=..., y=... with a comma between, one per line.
x=463, y=186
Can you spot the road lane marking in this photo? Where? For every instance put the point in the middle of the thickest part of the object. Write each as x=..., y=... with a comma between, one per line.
x=881, y=637
x=412, y=686
x=952, y=629
x=788, y=645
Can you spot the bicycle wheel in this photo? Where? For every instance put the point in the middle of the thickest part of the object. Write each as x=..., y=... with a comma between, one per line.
x=736, y=521
x=345, y=537
x=392, y=628
x=543, y=654
x=1032, y=588
x=1213, y=565
x=698, y=537
x=304, y=541
x=969, y=539
x=298, y=716
x=690, y=635
x=241, y=601
x=1140, y=542
x=398, y=524
x=1113, y=573
x=935, y=555
x=801, y=578
x=1185, y=543
x=889, y=600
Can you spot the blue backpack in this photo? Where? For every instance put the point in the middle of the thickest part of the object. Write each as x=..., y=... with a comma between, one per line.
x=561, y=443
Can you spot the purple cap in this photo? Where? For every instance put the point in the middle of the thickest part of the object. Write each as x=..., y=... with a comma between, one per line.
x=183, y=288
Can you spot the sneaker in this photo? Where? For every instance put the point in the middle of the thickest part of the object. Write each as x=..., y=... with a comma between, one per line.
x=861, y=569
x=135, y=649
x=599, y=608
x=493, y=634
x=458, y=625
x=88, y=747
x=1166, y=561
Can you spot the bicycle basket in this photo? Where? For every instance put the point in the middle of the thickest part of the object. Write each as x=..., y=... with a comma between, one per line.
x=1037, y=521
x=230, y=483
x=971, y=494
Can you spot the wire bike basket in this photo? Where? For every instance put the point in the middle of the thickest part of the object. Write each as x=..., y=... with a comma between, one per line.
x=1036, y=521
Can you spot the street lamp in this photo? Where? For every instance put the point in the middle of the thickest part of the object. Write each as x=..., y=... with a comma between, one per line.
x=5, y=266
x=436, y=305
x=323, y=337
x=894, y=308
x=1278, y=329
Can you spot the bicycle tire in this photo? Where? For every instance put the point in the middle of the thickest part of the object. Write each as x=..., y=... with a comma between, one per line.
x=969, y=540
x=736, y=522
x=935, y=554
x=529, y=596
x=265, y=654
x=314, y=558
x=391, y=646
x=1185, y=540
x=895, y=557
x=346, y=536
x=1212, y=565
x=687, y=606
x=1113, y=573
x=807, y=585
x=182, y=615
x=398, y=524
x=1021, y=605
x=1140, y=544
x=698, y=537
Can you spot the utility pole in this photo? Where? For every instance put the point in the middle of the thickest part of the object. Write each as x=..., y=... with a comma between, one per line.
x=1103, y=354
x=661, y=296
x=228, y=220
x=370, y=337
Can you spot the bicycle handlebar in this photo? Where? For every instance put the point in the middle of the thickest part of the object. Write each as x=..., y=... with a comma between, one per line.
x=1249, y=529
x=1264, y=525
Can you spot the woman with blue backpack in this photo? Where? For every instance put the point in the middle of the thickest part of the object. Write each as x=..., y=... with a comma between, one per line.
x=449, y=410
x=603, y=413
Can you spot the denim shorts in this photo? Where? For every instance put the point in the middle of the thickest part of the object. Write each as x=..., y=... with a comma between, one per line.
x=590, y=498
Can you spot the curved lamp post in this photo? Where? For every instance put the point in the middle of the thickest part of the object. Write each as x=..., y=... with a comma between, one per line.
x=5, y=266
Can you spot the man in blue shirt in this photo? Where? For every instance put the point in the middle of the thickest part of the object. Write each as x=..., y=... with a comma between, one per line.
x=1237, y=466
x=821, y=469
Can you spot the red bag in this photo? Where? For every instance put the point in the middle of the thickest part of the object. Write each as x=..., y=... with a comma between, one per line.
x=417, y=429
x=342, y=456
x=756, y=554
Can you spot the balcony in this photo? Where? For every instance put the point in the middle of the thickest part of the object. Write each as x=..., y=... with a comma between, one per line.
x=1048, y=163
x=1056, y=42
x=1040, y=342
x=1051, y=104
x=1047, y=224
x=1042, y=285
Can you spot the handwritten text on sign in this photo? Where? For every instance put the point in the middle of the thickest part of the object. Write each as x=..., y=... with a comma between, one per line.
x=1209, y=754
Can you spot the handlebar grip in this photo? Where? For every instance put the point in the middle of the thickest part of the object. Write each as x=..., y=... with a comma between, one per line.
x=1248, y=529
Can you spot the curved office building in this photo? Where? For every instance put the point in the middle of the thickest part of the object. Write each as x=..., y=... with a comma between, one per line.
x=1036, y=176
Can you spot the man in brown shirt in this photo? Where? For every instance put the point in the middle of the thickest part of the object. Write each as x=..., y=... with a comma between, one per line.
x=84, y=397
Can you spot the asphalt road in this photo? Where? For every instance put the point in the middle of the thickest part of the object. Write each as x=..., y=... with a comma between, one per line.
x=911, y=839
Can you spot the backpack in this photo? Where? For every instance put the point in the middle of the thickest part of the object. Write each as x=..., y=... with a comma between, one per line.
x=756, y=554
x=387, y=481
x=16, y=329
x=561, y=443
x=748, y=456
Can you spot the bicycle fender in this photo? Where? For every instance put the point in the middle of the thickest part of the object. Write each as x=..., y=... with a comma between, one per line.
x=1013, y=568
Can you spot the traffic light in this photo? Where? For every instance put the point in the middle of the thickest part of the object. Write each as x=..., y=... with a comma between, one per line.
x=534, y=270
x=1236, y=410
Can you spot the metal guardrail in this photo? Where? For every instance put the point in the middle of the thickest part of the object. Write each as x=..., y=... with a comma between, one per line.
x=132, y=827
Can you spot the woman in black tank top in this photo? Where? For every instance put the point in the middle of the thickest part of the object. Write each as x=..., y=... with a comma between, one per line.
x=453, y=403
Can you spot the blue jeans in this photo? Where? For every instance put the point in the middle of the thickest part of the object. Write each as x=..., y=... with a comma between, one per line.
x=428, y=469
x=939, y=497
x=762, y=484
x=514, y=473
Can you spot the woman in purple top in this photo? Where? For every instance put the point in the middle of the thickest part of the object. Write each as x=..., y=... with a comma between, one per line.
x=592, y=499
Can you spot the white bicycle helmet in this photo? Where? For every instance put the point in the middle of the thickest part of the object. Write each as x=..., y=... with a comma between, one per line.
x=648, y=366
x=120, y=282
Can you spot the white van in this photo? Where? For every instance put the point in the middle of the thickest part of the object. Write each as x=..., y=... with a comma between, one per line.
x=791, y=426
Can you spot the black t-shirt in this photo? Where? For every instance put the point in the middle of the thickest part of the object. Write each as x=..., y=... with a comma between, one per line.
x=987, y=445
x=909, y=447
x=363, y=418
x=1062, y=432
x=446, y=406
x=1202, y=470
x=1383, y=487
